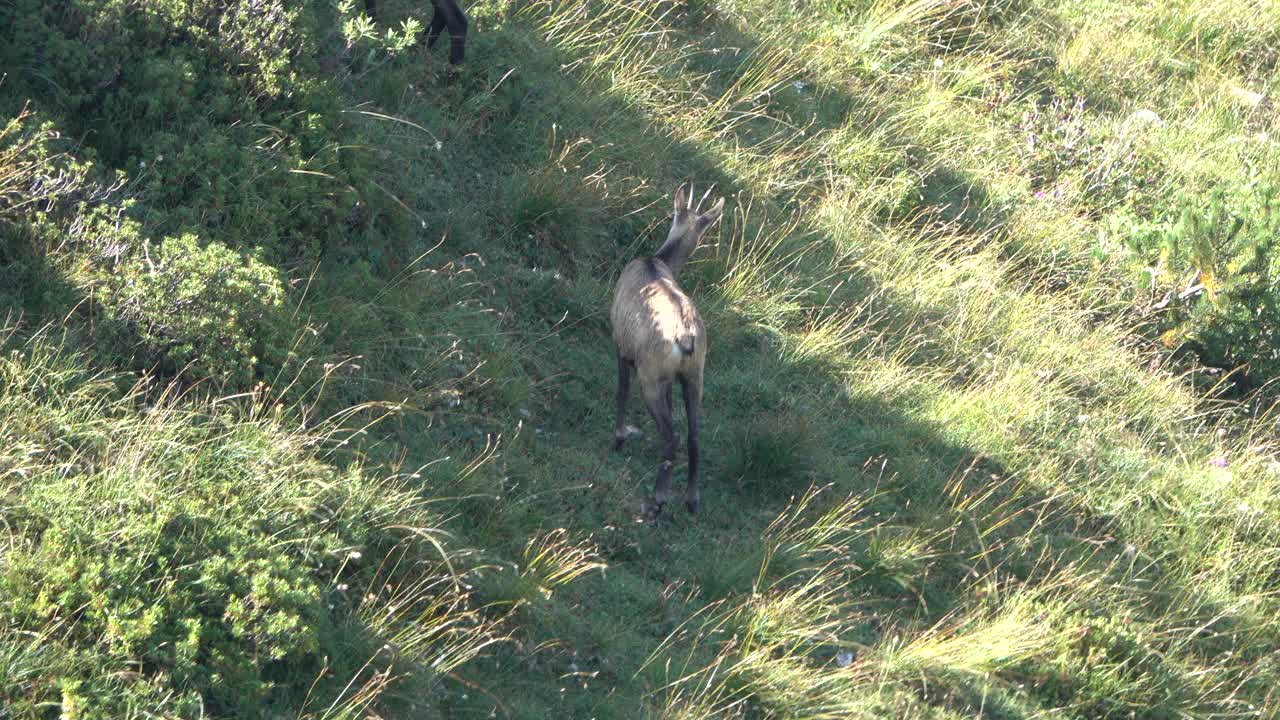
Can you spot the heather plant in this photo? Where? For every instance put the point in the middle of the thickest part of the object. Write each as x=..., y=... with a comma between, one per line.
x=1105, y=165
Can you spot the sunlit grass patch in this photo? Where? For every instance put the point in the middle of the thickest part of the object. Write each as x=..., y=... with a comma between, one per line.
x=548, y=561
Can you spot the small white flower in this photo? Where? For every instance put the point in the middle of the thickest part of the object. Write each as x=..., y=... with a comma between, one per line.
x=439, y=146
x=354, y=555
x=844, y=659
x=798, y=85
x=342, y=587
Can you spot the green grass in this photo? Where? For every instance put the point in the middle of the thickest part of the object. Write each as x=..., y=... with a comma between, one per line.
x=948, y=473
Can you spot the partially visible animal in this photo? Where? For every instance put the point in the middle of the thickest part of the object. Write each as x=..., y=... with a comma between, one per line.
x=658, y=334
x=447, y=16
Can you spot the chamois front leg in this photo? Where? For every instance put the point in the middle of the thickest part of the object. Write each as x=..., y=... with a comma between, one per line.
x=620, y=431
x=692, y=391
x=657, y=398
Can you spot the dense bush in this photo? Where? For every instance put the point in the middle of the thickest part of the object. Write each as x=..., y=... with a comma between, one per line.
x=207, y=312
x=225, y=118
x=227, y=113
x=1211, y=268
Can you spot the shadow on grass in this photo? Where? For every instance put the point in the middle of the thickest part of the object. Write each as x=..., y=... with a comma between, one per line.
x=772, y=426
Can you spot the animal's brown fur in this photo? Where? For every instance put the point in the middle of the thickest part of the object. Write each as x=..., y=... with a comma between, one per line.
x=658, y=333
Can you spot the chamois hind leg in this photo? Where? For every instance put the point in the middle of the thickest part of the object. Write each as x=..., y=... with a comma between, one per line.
x=655, y=397
x=438, y=23
x=449, y=15
x=692, y=392
x=624, y=395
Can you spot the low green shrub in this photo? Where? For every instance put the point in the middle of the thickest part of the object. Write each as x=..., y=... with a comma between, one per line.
x=1210, y=268
x=226, y=113
x=198, y=311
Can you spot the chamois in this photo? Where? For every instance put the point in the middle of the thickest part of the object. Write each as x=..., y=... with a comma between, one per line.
x=658, y=333
x=447, y=15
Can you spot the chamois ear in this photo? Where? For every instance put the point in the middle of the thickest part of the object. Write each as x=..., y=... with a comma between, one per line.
x=682, y=202
x=709, y=218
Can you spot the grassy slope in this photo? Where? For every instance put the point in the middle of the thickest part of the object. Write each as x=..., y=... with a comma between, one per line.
x=898, y=315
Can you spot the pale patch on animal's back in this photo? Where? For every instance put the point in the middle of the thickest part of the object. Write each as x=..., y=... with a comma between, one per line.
x=667, y=310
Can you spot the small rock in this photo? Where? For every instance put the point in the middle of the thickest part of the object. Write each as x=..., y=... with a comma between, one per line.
x=1245, y=96
x=1144, y=117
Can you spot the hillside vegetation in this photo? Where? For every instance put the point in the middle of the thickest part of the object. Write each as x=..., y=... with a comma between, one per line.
x=306, y=386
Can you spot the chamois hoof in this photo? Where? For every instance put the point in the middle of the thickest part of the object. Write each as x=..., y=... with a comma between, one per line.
x=651, y=510
x=620, y=438
x=693, y=504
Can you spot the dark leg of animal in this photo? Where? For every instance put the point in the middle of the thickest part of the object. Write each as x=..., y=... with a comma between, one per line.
x=656, y=399
x=437, y=25
x=692, y=392
x=449, y=15
x=624, y=394
x=371, y=7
